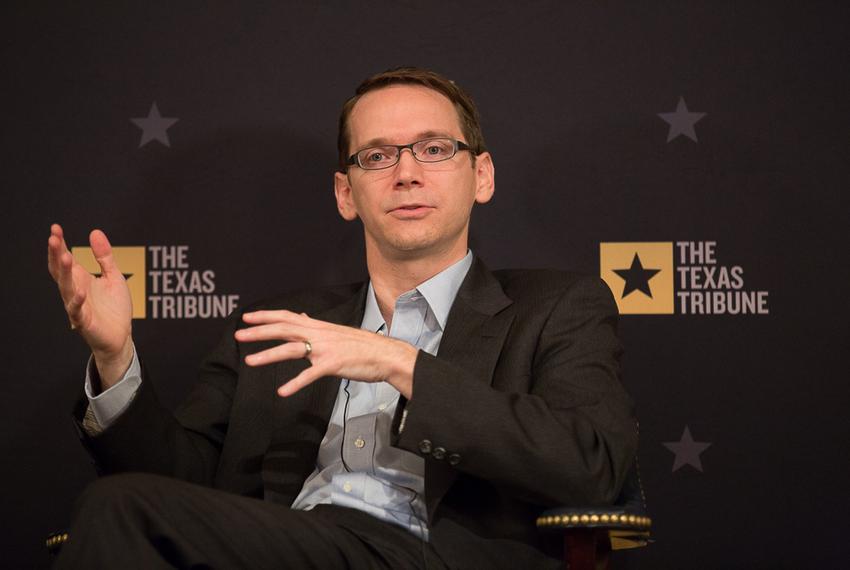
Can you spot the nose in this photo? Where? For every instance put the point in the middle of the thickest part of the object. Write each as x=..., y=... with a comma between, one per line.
x=408, y=170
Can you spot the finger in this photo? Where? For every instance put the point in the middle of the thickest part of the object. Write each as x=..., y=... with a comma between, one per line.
x=56, y=230
x=273, y=331
x=61, y=265
x=261, y=317
x=305, y=378
x=53, y=257
x=65, y=276
x=55, y=248
x=102, y=251
x=286, y=351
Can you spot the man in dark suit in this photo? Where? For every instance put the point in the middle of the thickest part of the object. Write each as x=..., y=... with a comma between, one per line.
x=425, y=417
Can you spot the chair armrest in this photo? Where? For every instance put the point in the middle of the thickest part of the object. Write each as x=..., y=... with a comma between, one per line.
x=625, y=529
x=55, y=540
x=590, y=534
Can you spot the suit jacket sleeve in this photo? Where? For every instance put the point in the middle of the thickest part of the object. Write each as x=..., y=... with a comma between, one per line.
x=565, y=434
x=184, y=444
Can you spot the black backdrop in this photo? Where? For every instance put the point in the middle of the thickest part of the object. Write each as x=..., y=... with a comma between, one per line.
x=571, y=95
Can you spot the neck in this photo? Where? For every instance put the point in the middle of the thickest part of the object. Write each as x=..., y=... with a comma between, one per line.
x=393, y=275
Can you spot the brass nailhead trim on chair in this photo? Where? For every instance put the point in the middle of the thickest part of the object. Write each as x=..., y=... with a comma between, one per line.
x=568, y=520
x=57, y=539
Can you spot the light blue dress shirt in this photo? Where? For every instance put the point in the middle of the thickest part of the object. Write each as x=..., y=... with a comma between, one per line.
x=356, y=466
x=360, y=469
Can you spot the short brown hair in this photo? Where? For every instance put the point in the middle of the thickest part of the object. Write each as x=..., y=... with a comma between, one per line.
x=470, y=122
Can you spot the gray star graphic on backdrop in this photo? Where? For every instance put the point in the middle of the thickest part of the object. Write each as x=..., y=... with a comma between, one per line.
x=687, y=451
x=681, y=121
x=154, y=126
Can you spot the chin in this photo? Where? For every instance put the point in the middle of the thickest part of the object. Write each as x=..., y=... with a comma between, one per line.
x=412, y=243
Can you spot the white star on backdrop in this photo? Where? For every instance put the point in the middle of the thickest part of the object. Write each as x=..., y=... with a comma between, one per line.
x=687, y=451
x=154, y=127
x=681, y=121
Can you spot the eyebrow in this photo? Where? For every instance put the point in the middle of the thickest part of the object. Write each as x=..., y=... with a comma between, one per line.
x=379, y=141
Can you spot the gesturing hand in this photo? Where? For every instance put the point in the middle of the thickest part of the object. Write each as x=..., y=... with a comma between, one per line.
x=336, y=350
x=99, y=308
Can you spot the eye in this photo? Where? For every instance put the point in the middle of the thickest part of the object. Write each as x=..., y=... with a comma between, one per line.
x=434, y=150
x=377, y=157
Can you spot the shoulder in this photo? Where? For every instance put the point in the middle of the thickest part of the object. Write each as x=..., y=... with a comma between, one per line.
x=545, y=286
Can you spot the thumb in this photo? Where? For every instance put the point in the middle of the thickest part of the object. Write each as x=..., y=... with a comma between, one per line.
x=103, y=253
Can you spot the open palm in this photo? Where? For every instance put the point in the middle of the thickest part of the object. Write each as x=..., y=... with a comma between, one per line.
x=99, y=307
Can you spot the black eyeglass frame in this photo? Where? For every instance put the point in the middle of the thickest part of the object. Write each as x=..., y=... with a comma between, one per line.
x=458, y=146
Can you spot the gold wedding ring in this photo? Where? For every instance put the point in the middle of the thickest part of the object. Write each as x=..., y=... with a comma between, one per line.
x=308, y=348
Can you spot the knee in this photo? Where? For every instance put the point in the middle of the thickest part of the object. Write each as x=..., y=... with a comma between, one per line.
x=119, y=493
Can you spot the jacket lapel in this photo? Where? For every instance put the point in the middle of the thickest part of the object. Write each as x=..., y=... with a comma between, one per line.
x=476, y=329
x=476, y=326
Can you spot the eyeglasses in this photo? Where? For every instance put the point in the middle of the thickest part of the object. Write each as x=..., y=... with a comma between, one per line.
x=387, y=155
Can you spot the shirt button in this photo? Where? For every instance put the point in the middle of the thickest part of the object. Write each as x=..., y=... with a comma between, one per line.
x=439, y=452
x=425, y=446
x=359, y=443
x=454, y=459
x=381, y=332
x=347, y=487
x=382, y=407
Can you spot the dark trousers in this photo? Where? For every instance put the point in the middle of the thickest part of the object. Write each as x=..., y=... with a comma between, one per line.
x=146, y=521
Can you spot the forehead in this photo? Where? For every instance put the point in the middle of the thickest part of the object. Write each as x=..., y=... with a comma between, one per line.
x=400, y=113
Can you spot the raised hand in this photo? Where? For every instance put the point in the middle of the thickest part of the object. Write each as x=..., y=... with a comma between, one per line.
x=99, y=308
x=335, y=350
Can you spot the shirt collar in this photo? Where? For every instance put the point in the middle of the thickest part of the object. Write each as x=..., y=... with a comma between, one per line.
x=373, y=321
x=439, y=292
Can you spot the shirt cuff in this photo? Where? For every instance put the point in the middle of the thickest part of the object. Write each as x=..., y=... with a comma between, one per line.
x=109, y=404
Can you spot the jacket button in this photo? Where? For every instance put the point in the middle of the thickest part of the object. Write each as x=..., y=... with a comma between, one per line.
x=454, y=459
x=425, y=446
x=439, y=452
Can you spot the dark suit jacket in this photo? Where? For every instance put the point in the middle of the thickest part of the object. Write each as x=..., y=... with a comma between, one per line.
x=524, y=397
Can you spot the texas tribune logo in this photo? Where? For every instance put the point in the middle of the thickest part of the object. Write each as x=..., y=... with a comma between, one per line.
x=683, y=277
x=162, y=284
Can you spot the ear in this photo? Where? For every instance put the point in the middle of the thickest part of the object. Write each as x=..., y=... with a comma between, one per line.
x=344, y=200
x=485, y=178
